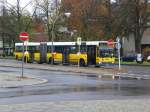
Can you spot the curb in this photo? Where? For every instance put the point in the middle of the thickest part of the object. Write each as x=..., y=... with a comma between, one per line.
x=18, y=86
x=48, y=69
x=120, y=77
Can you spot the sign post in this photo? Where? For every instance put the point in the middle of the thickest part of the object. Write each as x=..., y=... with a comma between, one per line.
x=23, y=36
x=26, y=52
x=79, y=44
x=118, y=46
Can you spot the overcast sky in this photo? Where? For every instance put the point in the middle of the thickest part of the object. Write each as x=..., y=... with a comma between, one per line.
x=24, y=3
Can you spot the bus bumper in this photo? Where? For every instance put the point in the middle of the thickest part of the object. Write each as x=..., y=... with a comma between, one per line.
x=104, y=64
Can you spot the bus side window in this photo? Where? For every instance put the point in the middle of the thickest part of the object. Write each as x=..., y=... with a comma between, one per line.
x=19, y=48
x=49, y=49
x=73, y=50
x=58, y=49
x=37, y=48
x=83, y=50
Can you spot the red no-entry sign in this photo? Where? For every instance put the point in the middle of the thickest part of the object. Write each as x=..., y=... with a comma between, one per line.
x=110, y=42
x=24, y=36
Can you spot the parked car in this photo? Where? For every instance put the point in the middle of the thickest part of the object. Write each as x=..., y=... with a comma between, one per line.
x=129, y=58
x=139, y=58
x=148, y=58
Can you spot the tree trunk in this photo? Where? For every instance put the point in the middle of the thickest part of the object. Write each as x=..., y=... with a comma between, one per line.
x=137, y=46
x=138, y=38
x=3, y=39
x=49, y=32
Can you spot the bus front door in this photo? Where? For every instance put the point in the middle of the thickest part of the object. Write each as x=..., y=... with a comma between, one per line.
x=65, y=56
x=43, y=52
x=91, y=55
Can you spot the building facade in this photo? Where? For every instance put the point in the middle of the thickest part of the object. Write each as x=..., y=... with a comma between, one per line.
x=128, y=44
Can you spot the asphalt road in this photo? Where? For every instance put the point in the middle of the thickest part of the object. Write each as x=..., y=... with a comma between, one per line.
x=72, y=86
x=141, y=70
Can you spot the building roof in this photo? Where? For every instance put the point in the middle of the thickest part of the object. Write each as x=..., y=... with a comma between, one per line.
x=146, y=37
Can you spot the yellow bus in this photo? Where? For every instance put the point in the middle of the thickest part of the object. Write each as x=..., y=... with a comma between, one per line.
x=31, y=50
x=67, y=53
x=99, y=53
x=91, y=53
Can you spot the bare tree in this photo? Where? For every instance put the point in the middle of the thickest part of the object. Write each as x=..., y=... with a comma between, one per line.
x=21, y=18
x=137, y=18
x=50, y=12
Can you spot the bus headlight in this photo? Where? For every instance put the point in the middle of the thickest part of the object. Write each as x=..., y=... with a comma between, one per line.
x=100, y=62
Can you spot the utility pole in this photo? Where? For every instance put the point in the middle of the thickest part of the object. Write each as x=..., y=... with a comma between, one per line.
x=3, y=34
x=118, y=47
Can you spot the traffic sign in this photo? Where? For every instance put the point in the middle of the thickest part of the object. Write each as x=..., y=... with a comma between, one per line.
x=118, y=39
x=79, y=40
x=24, y=36
x=110, y=42
x=118, y=45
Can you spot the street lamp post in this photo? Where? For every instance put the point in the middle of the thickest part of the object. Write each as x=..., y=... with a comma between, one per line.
x=67, y=14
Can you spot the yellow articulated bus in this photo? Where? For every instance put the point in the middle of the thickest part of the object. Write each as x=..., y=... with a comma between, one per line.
x=91, y=53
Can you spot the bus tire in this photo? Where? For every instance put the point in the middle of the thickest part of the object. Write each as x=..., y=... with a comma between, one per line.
x=40, y=62
x=16, y=57
x=97, y=66
x=26, y=59
x=50, y=61
x=82, y=62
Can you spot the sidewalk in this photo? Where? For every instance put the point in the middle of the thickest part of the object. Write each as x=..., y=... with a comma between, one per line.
x=9, y=80
x=69, y=68
x=141, y=105
x=101, y=72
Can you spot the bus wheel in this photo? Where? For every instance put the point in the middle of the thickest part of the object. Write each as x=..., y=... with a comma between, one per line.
x=97, y=66
x=40, y=62
x=50, y=61
x=16, y=57
x=25, y=59
x=82, y=62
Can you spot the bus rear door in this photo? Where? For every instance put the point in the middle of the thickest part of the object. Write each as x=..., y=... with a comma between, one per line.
x=91, y=55
x=65, y=55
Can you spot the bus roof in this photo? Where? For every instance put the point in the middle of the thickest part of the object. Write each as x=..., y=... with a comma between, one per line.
x=95, y=42
x=61, y=43
x=28, y=44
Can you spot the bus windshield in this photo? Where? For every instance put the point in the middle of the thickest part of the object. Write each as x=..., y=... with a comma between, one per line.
x=106, y=52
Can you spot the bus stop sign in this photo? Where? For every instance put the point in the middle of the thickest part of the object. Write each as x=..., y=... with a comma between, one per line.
x=79, y=40
x=23, y=36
